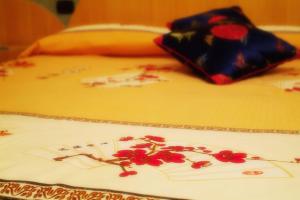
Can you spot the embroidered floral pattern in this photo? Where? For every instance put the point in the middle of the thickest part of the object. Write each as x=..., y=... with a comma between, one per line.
x=123, y=80
x=229, y=156
x=154, y=151
x=289, y=86
x=223, y=46
x=70, y=71
x=21, y=63
x=5, y=68
x=253, y=172
x=156, y=68
x=139, y=76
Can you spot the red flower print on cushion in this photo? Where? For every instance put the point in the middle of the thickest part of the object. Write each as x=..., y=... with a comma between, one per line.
x=155, y=138
x=200, y=164
x=170, y=157
x=216, y=19
x=297, y=160
x=230, y=31
x=127, y=173
x=221, y=79
x=178, y=148
x=146, y=145
x=126, y=138
x=229, y=156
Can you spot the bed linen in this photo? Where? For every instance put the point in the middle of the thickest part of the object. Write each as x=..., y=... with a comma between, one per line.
x=99, y=127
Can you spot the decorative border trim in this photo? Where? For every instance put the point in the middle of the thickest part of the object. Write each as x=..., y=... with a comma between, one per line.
x=157, y=125
x=15, y=189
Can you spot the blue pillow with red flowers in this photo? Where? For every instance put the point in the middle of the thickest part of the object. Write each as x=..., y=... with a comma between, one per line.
x=223, y=45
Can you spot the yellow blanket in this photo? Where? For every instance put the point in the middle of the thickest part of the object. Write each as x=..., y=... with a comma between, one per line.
x=113, y=88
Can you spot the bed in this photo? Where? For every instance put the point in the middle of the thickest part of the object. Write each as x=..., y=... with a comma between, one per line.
x=134, y=123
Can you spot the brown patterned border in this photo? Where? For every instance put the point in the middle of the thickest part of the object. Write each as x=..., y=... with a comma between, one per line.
x=32, y=190
x=157, y=125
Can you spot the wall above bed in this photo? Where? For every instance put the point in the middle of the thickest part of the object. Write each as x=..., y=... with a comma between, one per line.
x=23, y=21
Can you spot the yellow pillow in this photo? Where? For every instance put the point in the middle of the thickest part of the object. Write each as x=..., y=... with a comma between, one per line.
x=109, y=40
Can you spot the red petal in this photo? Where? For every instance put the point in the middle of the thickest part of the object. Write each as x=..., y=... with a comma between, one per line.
x=127, y=173
x=221, y=79
x=230, y=31
x=217, y=18
x=154, y=162
x=240, y=155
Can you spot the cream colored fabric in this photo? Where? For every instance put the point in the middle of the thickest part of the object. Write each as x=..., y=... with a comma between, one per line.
x=28, y=154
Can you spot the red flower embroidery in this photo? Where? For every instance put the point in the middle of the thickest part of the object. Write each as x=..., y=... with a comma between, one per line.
x=127, y=173
x=155, y=138
x=200, y=164
x=146, y=145
x=129, y=153
x=216, y=19
x=157, y=156
x=253, y=172
x=230, y=31
x=170, y=157
x=229, y=156
x=138, y=157
x=126, y=138
x=144, y=77
x=143, y=159
x=179, y=148
x=151, y=67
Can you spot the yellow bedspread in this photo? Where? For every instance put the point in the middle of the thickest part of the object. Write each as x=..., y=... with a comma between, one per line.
x=69, y=87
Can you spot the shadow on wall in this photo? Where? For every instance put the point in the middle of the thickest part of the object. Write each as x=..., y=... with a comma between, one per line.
x=63, y=9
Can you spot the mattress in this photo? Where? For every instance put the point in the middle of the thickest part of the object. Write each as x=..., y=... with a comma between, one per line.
x=145, y=127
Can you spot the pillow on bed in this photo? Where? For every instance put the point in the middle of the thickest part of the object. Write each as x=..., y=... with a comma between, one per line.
x=110, y=40
x=225, y=49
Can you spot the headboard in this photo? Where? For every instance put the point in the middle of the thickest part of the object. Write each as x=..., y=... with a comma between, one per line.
x=23, y=21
